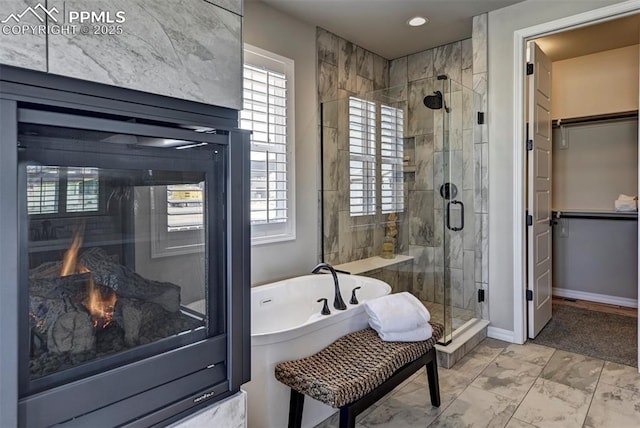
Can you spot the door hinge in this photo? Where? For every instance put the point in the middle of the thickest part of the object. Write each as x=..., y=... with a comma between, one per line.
x=529, y=69
x=529, y=145
x=529, y=219
x=480, y=295
x=529, y=295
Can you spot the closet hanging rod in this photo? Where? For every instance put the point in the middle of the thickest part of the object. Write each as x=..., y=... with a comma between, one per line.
x=596, y=215
x=596, y=118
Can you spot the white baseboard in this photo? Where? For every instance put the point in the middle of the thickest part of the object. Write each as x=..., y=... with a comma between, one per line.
x=500, y=334
x=595, y=297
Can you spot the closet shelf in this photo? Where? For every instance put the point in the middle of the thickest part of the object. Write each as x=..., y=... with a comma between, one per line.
x=599, y=215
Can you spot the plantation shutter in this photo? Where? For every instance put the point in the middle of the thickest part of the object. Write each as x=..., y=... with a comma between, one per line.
x=362, y=157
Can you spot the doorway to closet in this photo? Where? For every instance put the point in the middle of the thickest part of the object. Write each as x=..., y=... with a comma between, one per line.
x=582, y=178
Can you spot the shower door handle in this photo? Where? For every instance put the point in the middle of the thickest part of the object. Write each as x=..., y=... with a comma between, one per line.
x=455, y=229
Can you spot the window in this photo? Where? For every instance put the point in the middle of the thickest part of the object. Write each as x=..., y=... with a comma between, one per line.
x=372, y=129
x=58, y=190
x=268, y=112
x=391, y=159
x=185, y=210
x=362, y=157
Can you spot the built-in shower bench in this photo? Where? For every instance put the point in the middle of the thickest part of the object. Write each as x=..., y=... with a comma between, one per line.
x=357, y=370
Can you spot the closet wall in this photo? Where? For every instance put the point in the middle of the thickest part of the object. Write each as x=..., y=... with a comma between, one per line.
x=600, y=83
x=593, y=162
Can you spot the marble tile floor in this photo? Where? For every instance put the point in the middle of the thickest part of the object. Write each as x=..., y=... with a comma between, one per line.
x=499, y=384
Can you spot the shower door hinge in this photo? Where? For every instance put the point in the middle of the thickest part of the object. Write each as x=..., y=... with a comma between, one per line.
x=480, y=295
x=529, y=145
x=529, y=69
x=529, y=219
x=529, y=295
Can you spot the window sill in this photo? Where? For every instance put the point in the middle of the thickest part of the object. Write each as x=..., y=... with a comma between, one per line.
x=273, y=239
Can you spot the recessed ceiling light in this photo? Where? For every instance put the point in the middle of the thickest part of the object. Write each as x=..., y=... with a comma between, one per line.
x=417, y=21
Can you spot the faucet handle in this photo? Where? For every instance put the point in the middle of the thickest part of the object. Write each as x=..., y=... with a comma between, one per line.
x=354, y=299
x=325, y=307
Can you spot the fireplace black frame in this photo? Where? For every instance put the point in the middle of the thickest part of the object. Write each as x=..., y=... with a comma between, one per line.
x=35, y=96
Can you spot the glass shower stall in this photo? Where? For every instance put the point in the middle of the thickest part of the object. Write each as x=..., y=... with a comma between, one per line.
x=402, y=194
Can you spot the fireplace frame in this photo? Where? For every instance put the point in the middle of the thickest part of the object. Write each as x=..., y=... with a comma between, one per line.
x=26, y=93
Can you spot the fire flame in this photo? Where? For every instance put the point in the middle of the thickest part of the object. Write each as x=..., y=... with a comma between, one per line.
x=70, y=263
x=100, y=307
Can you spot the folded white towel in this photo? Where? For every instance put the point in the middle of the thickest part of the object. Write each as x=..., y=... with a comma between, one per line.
x=398, y=312
x=625, y=206
x=419, y=334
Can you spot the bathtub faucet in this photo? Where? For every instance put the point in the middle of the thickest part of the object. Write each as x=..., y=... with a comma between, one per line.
x=338, y=303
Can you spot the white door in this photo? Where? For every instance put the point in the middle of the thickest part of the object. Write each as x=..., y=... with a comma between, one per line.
x=539, y=192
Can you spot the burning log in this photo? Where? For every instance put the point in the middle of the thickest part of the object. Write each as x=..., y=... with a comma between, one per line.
x=127, y=283
x=66, y=325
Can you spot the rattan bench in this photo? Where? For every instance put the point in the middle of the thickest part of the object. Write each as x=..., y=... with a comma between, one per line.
x=357, y=370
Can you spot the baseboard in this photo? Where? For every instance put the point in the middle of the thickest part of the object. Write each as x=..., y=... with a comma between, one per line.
x=595, y=297
x=500, y=334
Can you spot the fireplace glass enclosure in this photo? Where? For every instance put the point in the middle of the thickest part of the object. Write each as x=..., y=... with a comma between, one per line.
x=124, y=230
x=115, y=255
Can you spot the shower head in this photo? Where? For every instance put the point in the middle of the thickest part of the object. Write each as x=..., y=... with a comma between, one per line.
x=435, y=101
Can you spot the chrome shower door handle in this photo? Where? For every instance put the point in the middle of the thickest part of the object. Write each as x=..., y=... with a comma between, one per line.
x=455, y=229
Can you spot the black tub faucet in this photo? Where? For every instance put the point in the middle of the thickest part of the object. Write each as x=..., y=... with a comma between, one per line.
x=338, y=303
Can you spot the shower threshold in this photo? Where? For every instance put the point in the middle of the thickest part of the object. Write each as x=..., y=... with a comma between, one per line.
x=465, y=338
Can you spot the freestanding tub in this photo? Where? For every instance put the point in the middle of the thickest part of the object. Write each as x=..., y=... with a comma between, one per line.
x=286, y=324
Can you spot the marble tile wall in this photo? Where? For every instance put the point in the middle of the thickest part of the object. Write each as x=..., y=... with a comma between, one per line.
x=432, y=141
x=346, y=69
x=22, y=50
x=481, y=157
x=161, y=50
x=443, y=142
x=231, y=413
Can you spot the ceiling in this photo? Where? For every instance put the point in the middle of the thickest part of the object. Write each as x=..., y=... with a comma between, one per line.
x=614, y=34
x=380, y=25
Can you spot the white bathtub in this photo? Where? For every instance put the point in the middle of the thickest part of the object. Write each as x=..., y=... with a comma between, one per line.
x=286, y=324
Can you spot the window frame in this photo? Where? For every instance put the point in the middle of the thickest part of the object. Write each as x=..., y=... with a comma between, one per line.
x=268, y=233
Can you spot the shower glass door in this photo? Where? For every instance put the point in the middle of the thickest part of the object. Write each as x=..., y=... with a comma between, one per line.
x=402, y=191
x=457, y=190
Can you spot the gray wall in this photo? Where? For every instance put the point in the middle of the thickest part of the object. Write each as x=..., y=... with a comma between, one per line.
x=596, y=256
x=274, y=31
x=502, y=24
x=596, y=163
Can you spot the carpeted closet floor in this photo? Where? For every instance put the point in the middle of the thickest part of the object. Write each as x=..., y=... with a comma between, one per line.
x=610, y=335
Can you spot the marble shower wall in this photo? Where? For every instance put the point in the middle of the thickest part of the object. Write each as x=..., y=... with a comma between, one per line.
x=465, y=262
x=344, y=70
x=481, y=158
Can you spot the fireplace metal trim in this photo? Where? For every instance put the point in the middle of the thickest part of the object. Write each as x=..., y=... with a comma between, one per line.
x=23, y=84
x=40, y=409
x=9, y=266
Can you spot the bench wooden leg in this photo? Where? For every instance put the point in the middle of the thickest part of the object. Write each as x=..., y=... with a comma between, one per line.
x=347, y=417
x=295, y=409
x=432, y=377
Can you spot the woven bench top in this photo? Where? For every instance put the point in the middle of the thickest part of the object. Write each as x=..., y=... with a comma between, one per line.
x=352, y=366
